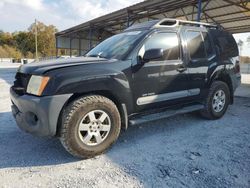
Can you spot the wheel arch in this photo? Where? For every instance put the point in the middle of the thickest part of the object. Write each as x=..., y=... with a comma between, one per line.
x=224, y=77
x=122, y=107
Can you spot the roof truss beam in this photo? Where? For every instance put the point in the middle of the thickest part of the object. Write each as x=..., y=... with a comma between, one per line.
x=210, y=12
x=241, y=4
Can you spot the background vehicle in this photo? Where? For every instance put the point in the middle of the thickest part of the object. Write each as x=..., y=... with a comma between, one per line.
x=150, y=71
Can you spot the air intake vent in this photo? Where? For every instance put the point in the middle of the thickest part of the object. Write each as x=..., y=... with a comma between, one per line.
x=169, y=23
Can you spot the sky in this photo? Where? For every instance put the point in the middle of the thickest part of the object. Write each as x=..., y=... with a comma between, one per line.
x=246, y=46
x=18, y=15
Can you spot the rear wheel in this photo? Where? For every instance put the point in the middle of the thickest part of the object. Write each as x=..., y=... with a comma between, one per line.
x=217, y=101
x=90, y=125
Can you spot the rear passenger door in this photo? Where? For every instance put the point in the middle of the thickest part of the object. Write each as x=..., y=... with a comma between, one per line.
x=201, y=59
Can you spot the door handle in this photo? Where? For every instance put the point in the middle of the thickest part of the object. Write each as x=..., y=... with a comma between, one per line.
x=181, y=69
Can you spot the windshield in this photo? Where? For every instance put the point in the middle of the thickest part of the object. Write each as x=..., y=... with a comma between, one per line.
x=117, y=46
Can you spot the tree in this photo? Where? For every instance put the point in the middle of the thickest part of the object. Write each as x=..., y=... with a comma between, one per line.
x=25, y=42
x=6, y=38
x=9, y=51
x=22, y=44
x=45, y=38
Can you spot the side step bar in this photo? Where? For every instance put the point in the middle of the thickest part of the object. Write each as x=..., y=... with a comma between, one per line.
x=164, y=114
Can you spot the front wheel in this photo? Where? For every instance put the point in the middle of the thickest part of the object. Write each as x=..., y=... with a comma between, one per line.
x=90, y=125
x=217, y=101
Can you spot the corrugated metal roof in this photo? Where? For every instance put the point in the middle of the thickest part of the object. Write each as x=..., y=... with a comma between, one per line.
x=232, y=15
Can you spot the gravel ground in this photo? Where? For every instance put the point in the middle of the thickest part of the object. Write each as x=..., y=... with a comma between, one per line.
x=181, y=151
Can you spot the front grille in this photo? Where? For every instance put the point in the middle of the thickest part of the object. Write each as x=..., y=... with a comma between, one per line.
x=21, y=83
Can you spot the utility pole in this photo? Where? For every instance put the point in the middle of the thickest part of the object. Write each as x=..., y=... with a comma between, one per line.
x=36, y=39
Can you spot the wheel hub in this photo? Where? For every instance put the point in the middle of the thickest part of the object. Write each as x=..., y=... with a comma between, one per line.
x=94, y=127
x=219, y=101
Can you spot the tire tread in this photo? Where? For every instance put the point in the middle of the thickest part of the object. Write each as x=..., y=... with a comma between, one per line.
x=67, y=115
x=207, y=111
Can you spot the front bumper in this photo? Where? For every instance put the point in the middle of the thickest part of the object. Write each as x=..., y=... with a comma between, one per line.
x=37, y=115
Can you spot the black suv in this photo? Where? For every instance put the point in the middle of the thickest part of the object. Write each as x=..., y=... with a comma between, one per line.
x=150, y=71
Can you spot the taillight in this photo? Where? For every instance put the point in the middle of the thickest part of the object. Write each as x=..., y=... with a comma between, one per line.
x=237, y=67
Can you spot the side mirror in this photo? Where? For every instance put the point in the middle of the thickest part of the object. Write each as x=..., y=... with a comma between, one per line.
x=152, y=54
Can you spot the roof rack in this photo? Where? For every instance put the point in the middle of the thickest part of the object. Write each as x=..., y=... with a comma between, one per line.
x=169, y=22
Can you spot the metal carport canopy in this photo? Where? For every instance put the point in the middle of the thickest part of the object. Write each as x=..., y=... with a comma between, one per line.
x=231, y=15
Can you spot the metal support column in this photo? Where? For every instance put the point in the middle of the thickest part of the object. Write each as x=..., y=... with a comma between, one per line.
x=199, y=10
x=80, y=46
x=90, y=38
x=70, y=47
x=56, y=47
x=128, y=19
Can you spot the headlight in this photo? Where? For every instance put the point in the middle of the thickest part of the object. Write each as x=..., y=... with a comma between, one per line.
x=37, y=84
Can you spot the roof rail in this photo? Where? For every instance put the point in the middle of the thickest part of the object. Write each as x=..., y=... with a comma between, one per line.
x=169, y=22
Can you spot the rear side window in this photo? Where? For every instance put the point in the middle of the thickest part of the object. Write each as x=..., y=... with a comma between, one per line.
x=225, y=43
x=207, y=44
x=167, y=41
x=195, y=45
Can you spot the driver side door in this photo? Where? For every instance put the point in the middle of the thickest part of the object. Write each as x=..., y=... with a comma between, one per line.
x=160, y=82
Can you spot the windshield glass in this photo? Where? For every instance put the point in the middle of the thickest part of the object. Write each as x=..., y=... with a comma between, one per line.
x=117, y=46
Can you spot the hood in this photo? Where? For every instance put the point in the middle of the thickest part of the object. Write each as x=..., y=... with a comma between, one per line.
x=48, y=65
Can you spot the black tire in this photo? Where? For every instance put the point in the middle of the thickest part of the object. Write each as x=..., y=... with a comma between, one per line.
x=208, y=112
x=72, y=116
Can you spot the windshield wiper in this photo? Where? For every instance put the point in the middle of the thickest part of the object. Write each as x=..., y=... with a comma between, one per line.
x=96, y=55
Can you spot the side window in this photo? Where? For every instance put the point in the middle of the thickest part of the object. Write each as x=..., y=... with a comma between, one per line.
x=167, y=41
x=195, y=45
x=208, y=45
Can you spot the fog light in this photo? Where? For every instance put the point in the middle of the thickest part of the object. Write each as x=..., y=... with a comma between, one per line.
x=31, y=118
